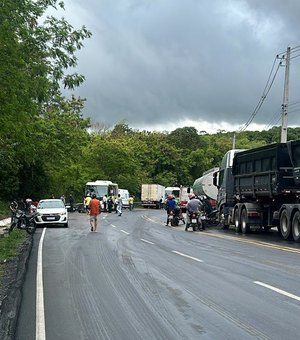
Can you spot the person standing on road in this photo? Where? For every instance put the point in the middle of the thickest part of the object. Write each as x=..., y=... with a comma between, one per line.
x=104, y=200
x=109, y=204
x=119, y=205
x=71, y=201
x=95, y=210
x=87, y=201
x=130, y=201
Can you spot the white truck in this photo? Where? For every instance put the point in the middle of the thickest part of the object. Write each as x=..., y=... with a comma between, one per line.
x=151, y=195
x=184, y=197
x=124, y=194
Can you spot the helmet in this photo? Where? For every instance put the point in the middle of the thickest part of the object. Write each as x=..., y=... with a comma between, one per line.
x=94, y=196
x=191, y=196
x=170, y=196
x=28, y=200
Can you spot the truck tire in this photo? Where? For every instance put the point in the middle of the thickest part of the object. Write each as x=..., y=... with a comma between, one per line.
x=244, y=222
x=296, y=226
x=223, y=222
x=285, y=225
x=237, y=223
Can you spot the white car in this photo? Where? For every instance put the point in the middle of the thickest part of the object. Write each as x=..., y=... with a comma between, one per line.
x=52, y=212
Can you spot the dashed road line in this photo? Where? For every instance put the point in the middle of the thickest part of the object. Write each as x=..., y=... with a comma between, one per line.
x=146, y=241
x=184, y=255
x=123, y=231
x=277, y=290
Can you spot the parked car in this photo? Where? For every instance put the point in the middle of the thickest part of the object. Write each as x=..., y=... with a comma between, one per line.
x=52, y=212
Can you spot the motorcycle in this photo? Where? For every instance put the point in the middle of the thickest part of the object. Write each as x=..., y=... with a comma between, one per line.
x=195, y=222
x=22, y=220
x=172, y=219
x=210, y=218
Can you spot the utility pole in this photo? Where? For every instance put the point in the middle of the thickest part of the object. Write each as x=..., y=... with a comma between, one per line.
x=233, y=142
x=285, y=97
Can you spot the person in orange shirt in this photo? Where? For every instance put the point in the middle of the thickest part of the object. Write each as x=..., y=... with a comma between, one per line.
x=95, y=210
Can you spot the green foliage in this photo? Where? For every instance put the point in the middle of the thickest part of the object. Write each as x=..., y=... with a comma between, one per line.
x=10, y=246
x=38, y=126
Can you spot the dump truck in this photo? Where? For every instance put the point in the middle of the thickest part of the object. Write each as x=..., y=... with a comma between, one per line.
x=259, y=189
x=152, y=195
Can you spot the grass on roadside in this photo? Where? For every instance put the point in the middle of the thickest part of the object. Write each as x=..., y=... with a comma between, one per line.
x=10, y=245
x=4, y=210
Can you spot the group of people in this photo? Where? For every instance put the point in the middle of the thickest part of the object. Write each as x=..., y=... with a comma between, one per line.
x=194, y=205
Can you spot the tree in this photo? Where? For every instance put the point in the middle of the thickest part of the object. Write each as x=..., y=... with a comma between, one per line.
x=34, y=59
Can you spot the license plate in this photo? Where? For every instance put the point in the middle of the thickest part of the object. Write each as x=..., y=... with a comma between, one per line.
x=194, y=220
x=50, y=218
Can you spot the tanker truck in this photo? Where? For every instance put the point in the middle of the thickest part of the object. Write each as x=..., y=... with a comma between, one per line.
x=203, y=186
x=259, y=189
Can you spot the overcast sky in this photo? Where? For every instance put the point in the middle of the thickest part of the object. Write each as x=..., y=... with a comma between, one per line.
x=164, y=64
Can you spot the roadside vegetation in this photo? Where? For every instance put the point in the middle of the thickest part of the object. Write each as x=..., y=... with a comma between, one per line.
x=10, y=244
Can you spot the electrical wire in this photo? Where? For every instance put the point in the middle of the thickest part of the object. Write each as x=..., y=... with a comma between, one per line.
x=264, y=95
x=281, y=57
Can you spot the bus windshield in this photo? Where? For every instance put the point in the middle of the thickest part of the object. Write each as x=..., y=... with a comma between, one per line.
x=172, y=190
x=101, y=188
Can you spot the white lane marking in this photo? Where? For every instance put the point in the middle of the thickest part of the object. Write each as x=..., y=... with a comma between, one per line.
x=277, y=290
x=190, y=257
x=125, y=232
x=40, y=332
x=142, y=239
x=113, y=226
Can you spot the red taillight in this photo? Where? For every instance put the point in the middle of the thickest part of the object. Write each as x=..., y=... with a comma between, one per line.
x=253, y=214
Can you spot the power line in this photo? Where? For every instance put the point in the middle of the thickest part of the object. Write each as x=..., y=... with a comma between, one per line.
x=282, y=57
x=264, y=95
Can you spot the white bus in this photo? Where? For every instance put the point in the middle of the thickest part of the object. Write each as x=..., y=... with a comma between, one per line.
x=101, y=188
x=172, y=190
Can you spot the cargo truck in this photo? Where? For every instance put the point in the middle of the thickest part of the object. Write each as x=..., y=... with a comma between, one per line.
x=152, y=195
x=260, y=188
x=184, y=197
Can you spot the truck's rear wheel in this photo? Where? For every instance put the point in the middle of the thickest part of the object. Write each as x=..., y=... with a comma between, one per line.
x=237, y=223
x=285, y=224
x=296, y=227
x=244, y=222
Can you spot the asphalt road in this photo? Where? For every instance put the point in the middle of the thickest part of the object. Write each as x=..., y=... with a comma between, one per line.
x=138, y=279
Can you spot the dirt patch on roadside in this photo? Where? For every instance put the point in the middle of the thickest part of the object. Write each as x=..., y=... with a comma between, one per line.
x=12, y=277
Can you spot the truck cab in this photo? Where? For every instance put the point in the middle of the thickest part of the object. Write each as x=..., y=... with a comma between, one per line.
x=223, y=180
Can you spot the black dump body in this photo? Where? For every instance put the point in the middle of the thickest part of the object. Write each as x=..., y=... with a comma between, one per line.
x=294, y=152
x=267, y=171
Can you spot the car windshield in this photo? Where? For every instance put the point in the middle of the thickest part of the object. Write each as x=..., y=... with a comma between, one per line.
x=51, y=204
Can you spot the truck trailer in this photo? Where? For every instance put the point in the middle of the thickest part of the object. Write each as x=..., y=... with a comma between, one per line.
x=260, y=188
x=151, y=195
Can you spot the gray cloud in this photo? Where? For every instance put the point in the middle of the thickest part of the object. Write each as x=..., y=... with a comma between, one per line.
x=155, y=62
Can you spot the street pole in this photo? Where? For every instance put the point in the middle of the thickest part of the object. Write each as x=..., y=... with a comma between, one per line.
x=285, y=97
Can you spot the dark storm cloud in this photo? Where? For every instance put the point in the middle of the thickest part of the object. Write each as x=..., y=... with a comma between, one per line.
x=155, y=62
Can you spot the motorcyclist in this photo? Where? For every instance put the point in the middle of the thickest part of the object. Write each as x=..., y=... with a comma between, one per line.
x=194, y=205
x=170, y=206
x=30, y=208
x=206, y=204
